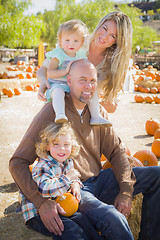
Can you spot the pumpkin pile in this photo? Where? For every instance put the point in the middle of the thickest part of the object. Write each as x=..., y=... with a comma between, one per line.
x=148, y=80
x=25, y=79
x=139, y=98
x=152, y=127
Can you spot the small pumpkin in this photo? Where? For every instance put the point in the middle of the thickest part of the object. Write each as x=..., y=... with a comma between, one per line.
x=4, y=91
x=154, y=90
x=17, y=91
x=157, y=134
x=147, y=157
x=156, y=147
x=151, y=126
x=69, y=203
x=29, y=75
x=136, y=88
x=139, y=98
x=157, y=78
x=30, y=87
x=150, y=74
x=149, y=99
x=157, y=99
x=21, y=76
x=10, y=92
x=30, y=69
x=31, y=166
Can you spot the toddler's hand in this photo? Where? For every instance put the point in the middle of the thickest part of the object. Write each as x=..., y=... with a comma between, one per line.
x=68, y=66
x=75, y=189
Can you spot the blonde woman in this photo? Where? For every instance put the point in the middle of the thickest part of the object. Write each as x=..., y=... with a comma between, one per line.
x=109, y=50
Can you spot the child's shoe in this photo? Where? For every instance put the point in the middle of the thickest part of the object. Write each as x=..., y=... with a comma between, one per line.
x=100, y=121
x=61, y=118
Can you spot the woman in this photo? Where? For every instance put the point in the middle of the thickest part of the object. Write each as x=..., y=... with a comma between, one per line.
x=109, y=50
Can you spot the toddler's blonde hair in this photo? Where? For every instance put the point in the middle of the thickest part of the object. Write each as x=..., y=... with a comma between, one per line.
x=52, y=132
x=73, y=26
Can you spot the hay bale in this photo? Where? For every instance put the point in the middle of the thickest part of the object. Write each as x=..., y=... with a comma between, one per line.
x=134, y=218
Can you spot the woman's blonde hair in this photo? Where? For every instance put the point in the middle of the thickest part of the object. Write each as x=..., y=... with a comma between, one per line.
x=52, y=132
x=117, y=56
x=73, y=26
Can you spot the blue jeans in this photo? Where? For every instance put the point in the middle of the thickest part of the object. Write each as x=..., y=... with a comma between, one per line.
x=98, y=197
x=77, y=227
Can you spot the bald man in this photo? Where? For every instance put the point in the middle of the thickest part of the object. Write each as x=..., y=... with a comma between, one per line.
x=107, y=194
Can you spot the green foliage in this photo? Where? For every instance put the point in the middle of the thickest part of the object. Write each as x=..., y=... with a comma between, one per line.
x=17, y=30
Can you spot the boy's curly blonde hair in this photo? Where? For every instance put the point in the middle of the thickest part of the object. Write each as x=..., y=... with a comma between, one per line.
x=52, y=132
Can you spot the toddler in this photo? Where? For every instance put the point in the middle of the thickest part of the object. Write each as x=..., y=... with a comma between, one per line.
x=71, y=38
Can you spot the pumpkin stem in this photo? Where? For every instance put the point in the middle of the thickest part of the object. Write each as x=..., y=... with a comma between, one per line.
x=145, y=163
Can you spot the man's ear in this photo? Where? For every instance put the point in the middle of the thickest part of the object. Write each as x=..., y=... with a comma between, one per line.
x=69, y=80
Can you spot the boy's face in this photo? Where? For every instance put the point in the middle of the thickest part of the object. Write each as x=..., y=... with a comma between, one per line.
x=82, y=81
x=71, y=43
x=60, y=149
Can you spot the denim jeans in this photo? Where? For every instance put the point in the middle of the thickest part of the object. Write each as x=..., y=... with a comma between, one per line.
x=98, y=197
x=77, y=227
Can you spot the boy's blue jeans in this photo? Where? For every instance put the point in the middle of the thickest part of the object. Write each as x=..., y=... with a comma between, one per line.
x=102, y=190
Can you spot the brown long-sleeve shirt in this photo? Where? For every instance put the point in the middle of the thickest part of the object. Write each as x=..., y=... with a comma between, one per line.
x=93, y=141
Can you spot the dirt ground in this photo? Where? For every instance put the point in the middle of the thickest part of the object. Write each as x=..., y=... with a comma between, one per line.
x=16, y=114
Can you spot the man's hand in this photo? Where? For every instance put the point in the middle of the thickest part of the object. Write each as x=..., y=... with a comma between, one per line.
x=48, y=212
x=123, y=204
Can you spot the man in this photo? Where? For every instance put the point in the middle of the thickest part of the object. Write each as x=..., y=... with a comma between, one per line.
x=100, y=187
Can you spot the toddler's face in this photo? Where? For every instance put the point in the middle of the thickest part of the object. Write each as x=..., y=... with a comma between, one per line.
x=60, y=149
x=71, y=43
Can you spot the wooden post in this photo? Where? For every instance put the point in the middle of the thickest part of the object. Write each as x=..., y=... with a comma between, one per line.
x=40, y=54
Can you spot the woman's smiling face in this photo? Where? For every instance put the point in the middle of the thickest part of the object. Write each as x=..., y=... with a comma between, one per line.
x=106, y=35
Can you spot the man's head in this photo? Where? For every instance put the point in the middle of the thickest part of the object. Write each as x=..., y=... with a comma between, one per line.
x=82, y=80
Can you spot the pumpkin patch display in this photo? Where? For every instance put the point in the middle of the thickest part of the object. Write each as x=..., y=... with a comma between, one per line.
x=69, y=203
x=151, y=126
x=147, y=157
x=156, y=147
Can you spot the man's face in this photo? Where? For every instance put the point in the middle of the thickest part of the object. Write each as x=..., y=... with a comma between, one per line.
x=83, y=83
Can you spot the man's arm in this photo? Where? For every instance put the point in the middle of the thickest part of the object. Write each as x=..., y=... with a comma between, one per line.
x=19, y=169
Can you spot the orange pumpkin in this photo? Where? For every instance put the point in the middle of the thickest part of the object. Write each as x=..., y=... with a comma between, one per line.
x=10, y=92
x=136, y=88
x=21, y=76
x=157, y=134
x=157, y=99
x=157, y=78
x=69, y=203
x=17, y=91
x=32, y=165
x=154, y=90
x=29, y=75
x=147, y=157
x=151, y=126
x=106, y=165
x=145, y=90
x=139, y=98
x=149, y=99
x=156, y=147
x=4, y=91
x=150, y=74
x=29, y=87
x=29, y=69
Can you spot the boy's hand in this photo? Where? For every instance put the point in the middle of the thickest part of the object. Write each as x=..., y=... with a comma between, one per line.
x=75, y=189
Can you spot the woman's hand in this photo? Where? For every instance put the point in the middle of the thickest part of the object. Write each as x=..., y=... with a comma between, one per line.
x=109, y=106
